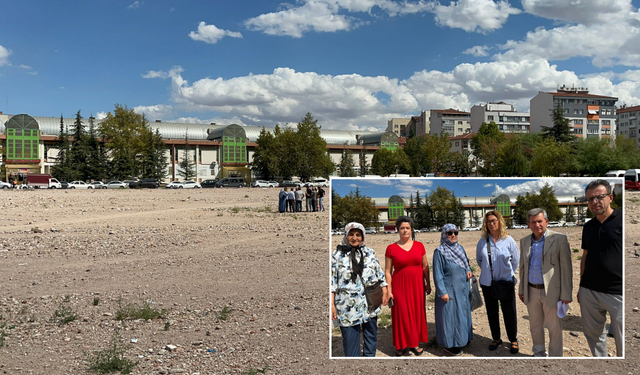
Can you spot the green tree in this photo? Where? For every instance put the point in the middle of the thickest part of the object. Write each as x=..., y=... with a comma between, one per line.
x=423, y=212
x=155, y=163
x=477, y=219
x=96, y=164
x=265, y=161
x=438, y=147
x=347, y=164
x=514, y=158
x=460, y=164
x=546, y=199
x=485, y=146
x=625, y=154
x=560, y=130
x=125, y=135
x=446, y=208
x=551, y=158
x=386, y=162
x=79, y=154
x=62, y=167
x=593, y=157
x=569, y=215
x=419, y=159
x=286, y=146
x=354, y=207
x=187, y=164
x=312, y=156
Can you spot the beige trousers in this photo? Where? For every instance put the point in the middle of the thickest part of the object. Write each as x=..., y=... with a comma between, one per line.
x=544, y=315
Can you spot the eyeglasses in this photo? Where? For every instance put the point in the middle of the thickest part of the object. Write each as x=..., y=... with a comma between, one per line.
x=493, y=221
x=597, y=198
x=452, y=233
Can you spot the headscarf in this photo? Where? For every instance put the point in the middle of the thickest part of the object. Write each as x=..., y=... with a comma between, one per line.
x=357, y=262
x=452, y=250
x=283, y=193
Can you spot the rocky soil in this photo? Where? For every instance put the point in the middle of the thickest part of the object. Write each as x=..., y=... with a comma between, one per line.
x=192, y=254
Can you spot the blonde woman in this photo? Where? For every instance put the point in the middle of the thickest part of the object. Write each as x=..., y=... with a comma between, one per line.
x=499, y=269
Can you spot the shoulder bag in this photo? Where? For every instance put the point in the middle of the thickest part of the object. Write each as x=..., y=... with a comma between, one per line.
x=500, y=289
x=474, y=293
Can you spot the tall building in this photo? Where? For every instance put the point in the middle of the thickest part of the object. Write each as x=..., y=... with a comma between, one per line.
x=627, y=122
x=398, y=126
x=450, y=121
x=503, y=114
x=590, y=115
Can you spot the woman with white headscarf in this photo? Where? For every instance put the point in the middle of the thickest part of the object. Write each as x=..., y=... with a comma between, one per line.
x=451, y=272
x=354, y=266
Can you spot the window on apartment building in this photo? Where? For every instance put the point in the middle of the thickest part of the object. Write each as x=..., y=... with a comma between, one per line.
x=459, y=122
x=575, y=111
x=566, y=111
x=577, y=131
x=459, y=130
x=490, y=117
x=592, y=131
x=581, y=112
x=606, y=122
x=457, y=144
x=570, y=100
x=578, y=122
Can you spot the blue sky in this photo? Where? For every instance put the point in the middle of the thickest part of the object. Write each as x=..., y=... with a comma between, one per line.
x=353, y=64
x=470, y=187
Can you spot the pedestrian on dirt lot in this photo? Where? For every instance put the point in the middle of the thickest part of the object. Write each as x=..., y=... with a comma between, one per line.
x=407, y=271
x=308, y=195
x=299, y=195
x=546, y=277
x=282, y=200
x=291, y=200
x=314, y=199
x=500, y=268
x=451, y=274
x=601, y=270
x=354, y=265
x=320, y=199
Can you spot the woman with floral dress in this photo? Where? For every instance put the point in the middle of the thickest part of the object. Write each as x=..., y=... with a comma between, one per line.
x=353, y=265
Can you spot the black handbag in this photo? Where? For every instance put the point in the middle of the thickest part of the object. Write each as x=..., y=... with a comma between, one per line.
x=373, y=294
x=500, y=289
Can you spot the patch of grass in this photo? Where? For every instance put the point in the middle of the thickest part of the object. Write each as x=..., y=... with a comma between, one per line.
x=96, y=301
x=575, y=250
x=225, y=313
x=112, y=358
x=296, y=218
x=246, y=196
x=166, y=326
x=67, y=298
x=254, y=371
x=265, y=209
x=634, y=200
x=3, y=334
x=220, y=214
x=235, y=210
x=579, y=257
x=431, y=298
x=132, y=312
x=63, y=315
x=384, y=319
x=473, y=269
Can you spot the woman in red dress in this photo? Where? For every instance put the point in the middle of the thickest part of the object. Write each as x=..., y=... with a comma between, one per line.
x=407, y=272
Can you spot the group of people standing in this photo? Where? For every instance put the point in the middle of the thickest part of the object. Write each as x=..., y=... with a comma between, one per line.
x=545, y=285
x=290, y=199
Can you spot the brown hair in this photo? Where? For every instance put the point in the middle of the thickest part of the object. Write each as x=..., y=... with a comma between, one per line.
x=485, y=224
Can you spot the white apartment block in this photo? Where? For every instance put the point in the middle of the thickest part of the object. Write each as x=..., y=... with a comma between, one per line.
x=627, y=122
x=450, y=121
x=503, y=114
x=591, y=116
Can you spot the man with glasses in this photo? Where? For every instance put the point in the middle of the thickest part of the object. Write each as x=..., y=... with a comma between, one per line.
x=601, y=270
x=545, y=278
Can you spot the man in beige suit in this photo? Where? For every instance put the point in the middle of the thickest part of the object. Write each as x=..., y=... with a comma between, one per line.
x=545, y=278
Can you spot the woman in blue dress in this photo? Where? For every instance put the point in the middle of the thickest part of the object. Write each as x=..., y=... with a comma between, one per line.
x=451, y=272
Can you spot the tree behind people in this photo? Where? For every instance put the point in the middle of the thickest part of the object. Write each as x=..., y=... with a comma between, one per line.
x=560, y=131
x=187, y=165
x=347, y=164
x=312, y=156
x=124, y=133
x=546, y=199
x=354, y=207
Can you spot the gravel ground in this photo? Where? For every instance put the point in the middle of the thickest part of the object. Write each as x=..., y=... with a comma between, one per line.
x=192, y=254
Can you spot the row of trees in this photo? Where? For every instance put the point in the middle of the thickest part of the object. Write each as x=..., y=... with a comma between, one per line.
x=122, y=146
x=292, y=152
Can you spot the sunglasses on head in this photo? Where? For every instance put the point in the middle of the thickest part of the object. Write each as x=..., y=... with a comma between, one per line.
x=452, y=233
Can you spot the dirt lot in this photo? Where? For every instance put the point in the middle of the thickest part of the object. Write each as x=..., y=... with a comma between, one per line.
x=193, y=254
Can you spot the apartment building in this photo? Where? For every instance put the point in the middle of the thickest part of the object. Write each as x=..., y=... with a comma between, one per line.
x=627, y=122
x=461, y=143
x=398, y=126
x=451, y=121
x=590, y=115
x=503, y=114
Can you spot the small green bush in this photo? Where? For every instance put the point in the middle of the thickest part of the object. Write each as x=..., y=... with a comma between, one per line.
x=132, y=312
x=575, y=250
x=96, y=301
x=254, y=371
x=225, y=313
x=235, y=210
x=111, y=359
x=384, y=319
x=63, y=315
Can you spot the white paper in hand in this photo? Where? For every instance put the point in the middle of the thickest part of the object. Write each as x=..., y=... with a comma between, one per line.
x=562, y=309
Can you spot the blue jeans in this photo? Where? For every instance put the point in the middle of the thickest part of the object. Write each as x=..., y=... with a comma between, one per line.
x=321, y=204
x=351, y=339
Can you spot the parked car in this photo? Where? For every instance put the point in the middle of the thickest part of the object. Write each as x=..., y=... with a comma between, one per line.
x=287, y=183
x=131, y=183
x=273, y=184
x=148, y=183
x=208, y=183
x=370, y=231
x=174, y=185
x=5, y=185
x=471, y=229
x=64, y=185
x=260, y=183
x=318, y=182
x=231, y=182
x=191, y=185
x=117, y=185
x=553, y=224
x=99, y=185
x=79, y=185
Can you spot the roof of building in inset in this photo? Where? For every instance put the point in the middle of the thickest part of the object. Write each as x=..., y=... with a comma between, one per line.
x=377, y=138
x=232, y=131
x=22, y=121
x=450, y=111
x=628, y=109
x=463, y=136
x=396, y=199
x=574, y=95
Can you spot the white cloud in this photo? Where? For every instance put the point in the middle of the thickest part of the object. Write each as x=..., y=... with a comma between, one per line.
x=487, y=185
x=481, y=16
x=135, y=5
x=175, y=71
x=101, y=115
x=325, y=15
x=586, y=12
x=211, y=34
x=566, y=186
x=477, y=51
x=380, y=181
x=23, y=66
x=4, y=56
x=155, y=112
x=33, y=73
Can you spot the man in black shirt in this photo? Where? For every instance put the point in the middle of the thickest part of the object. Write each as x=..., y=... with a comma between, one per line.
x=601, y=270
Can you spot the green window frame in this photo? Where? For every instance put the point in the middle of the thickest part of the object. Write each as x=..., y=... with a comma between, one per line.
x=234, y=150
x=395, y=210
x=504, y=208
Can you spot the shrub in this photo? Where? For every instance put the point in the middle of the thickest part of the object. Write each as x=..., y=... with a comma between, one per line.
x=132, y=312
x=112, y=358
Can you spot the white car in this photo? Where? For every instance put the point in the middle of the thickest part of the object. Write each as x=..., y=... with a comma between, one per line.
x=5, y=185
x=191, y=185
x=261, y=183
x=99, y=185
x=117, y=185
x=174, y=185
x=79, y=185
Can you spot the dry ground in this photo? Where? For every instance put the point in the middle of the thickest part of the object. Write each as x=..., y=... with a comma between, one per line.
x=194, y=253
